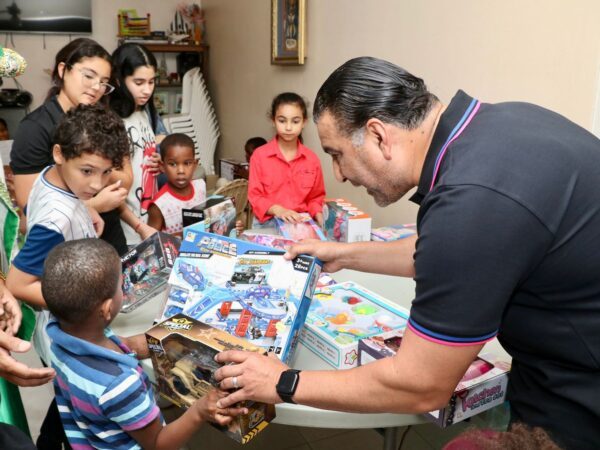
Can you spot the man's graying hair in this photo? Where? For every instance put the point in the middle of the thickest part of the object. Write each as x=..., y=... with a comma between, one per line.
x=365, y=88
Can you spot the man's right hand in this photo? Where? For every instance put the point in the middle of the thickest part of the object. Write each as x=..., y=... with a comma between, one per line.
x=15, y=371
x=330, y=253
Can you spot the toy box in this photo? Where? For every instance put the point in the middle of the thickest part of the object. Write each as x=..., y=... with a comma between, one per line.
x=307, y=229
x=343, y=222
x=182, y=352
x=146, y=269
x=393, y=233
x=268, y=240
x=217, y=213
x=245, y=289
x=341, y=315
x=482, y=387
x=228, y=167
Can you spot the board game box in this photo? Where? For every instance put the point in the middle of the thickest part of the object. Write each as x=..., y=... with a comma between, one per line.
x=217, y=214
x=146, y=269
x=307, y=229
x=344, y=222
x=247, y=290
x=393, y=232
x=341, y=315
x=182, y=352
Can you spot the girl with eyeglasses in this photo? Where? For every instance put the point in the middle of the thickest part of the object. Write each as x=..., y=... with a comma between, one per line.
x=81, y=75
x=134, y=76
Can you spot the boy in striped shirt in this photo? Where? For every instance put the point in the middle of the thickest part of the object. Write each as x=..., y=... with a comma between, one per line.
x=104, y=398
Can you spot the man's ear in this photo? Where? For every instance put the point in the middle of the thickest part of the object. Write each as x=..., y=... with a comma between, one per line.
x=57, y=155
x=106, y=310
x=380, y=132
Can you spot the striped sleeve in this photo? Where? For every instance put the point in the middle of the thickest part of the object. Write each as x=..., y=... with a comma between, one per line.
x=128, y=402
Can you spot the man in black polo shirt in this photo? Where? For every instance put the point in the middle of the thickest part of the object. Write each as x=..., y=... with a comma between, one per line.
x=508, y=245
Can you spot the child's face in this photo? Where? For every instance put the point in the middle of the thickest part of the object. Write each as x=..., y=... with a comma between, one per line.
x=179, y=166
x=289, y=122
x=85, y=175
x=141, y=84
x=81, y=82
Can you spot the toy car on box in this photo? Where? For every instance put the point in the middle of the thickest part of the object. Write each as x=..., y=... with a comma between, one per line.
x=217, y=213
x=341, y=315
x=247, y=290
x=146, y=269
x=182, y=352
x=344, y=222
x=306, y=229
x=482, y=387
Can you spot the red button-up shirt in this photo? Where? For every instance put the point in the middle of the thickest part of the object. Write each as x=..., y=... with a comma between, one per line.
x=296, y=184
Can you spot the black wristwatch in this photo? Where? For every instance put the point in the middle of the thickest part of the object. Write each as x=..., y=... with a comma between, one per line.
x=287, y=384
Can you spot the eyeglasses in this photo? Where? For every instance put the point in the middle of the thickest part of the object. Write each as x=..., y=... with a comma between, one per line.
x=90, y=79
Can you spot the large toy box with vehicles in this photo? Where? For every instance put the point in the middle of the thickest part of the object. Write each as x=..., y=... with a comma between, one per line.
x=146, y=269
x=247, y=290
x=344, y=222
x=482, y=387
x=305, y=229
x=341, y=315
x=217, y=214
x=183, y=352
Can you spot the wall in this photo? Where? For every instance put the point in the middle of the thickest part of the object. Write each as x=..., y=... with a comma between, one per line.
x=546, y=52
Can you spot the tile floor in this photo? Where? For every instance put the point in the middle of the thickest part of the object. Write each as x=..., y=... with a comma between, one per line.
x=275, y=437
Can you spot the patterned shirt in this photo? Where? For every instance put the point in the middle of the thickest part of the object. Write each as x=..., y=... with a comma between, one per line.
x=171, y=204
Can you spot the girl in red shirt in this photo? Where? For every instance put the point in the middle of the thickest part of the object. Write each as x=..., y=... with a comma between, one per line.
x=286, y=178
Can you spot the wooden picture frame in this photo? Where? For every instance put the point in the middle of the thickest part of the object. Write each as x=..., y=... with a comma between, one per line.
x=161, y=102
x=288, y=31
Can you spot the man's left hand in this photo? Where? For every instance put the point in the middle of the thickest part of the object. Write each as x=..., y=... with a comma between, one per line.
x=254, y=375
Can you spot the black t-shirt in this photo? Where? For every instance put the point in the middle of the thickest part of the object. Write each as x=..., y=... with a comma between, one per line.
x=32, y=152
x=509, y=244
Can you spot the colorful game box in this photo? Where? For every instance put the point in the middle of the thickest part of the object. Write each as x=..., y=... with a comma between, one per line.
x=341, y=315
x=182, y=352
x=394, y=232
x=268, y=240
x=344, y=222
x=217, y=213
x=307, y=229
x=482, y=387
x=245, y=289
x=146, y=269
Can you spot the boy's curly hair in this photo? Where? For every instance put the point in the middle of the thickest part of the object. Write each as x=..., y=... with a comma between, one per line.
x=93, y=129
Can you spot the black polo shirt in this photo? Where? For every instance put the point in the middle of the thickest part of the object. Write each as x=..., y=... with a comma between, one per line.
x=509, y=244
x=32, y=152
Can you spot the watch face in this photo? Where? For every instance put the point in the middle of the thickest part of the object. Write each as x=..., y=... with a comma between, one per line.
x=287, y=382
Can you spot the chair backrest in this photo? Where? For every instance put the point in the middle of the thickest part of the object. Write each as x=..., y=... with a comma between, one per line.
x=238, y=189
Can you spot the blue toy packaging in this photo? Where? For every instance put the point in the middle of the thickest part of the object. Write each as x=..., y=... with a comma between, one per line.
x=247, y=290
x=146, y=269
x=341, y=315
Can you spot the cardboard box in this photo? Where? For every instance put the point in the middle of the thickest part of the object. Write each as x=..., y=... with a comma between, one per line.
x=344, y=222
x=482, y=387
x=393, y=232
x=146, y=269
x=228, y=167
x=245, y=289
x=217, y=214
x=307, y=229
x=182, y=352
x=341, y=315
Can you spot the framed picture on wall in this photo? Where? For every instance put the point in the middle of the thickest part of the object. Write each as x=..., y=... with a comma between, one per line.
x=288, y=26
x=161, y=102
x=178, y=103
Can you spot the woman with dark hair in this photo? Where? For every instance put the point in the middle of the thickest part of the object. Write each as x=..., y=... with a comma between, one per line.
x=134, y=75
x=81, y=75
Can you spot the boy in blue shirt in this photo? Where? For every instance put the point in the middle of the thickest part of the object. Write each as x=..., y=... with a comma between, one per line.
x=104, y=397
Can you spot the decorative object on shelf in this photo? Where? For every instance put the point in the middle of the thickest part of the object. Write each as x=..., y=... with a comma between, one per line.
x=193, y=15
x=288, y=31
x=161, y=102
x=132, y=25
x=178, y=103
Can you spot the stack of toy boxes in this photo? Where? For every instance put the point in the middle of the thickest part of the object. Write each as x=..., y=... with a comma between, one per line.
x=343, y=222
x=245, y=289
x=393, y=233
x=146, y=269
x=217, y=214
x=341, y=315
x=182, y=352
x=306, y=229
x=482, y=387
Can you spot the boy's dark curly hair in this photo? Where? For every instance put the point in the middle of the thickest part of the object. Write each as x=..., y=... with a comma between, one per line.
x=93, y=129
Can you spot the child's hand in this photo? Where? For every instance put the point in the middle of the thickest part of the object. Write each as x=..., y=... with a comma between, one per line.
x=319, y=219
x=207, y=408
x=109, y=198
x=10, y=312
x=287, y=215
x=153, y=163
x=239, y=227
x=145, y=231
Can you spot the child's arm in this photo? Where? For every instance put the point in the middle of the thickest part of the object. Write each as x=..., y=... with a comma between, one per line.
x=25, y=287
x=138, y=225
x=177, y=433
x=155, y=217
x=138, y=344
